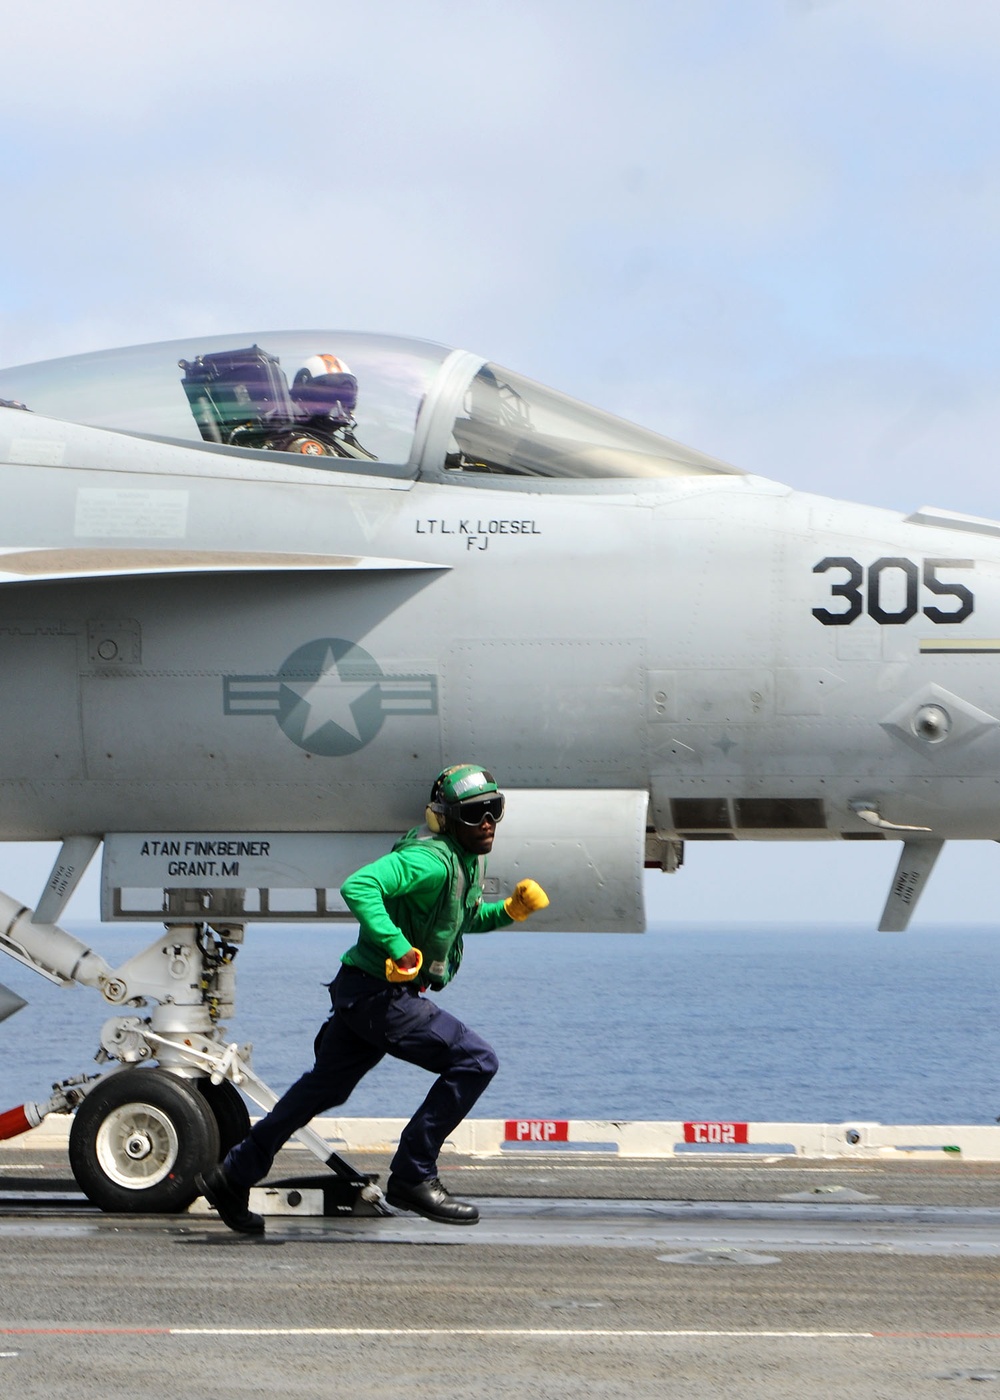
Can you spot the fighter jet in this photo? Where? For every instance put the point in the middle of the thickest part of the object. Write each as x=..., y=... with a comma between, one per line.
x=255, y=590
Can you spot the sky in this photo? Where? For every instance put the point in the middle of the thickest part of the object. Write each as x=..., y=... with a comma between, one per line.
x=768, y=228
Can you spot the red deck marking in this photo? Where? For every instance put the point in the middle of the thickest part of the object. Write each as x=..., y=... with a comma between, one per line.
x=85, y=1331
x=536, y=1130
x=715, y=1134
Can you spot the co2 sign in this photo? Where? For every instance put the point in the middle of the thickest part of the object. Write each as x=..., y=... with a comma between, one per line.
x=716, y=1134
x=890, y=590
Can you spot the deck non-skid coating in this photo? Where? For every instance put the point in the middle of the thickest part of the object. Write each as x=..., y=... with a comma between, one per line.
x=719, y=1230
x=623, y=1281
x=663, y=1332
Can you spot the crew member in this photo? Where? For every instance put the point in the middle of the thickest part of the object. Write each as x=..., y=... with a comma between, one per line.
x=413, y=907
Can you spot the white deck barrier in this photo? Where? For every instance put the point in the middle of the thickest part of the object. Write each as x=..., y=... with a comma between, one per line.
x=489, y=1137
x=581, y=1138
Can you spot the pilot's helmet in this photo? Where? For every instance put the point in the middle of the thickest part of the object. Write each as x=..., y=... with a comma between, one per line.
x=465, y=792
x=325, y=387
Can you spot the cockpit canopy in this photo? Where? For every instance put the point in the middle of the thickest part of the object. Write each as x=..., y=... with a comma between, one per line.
x=327, y=396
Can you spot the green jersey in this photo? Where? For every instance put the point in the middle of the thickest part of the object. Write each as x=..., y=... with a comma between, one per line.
x=426, y=893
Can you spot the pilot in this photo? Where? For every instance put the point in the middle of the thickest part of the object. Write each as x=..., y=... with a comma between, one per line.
x=326, y=391
x=413, y=907
x=325, y=395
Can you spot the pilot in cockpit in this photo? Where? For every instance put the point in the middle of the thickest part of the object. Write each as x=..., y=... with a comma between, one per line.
x=241, y=398
x=325, y=395
x=325, y=388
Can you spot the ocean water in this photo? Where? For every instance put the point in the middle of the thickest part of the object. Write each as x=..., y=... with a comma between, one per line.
x=809, y=1024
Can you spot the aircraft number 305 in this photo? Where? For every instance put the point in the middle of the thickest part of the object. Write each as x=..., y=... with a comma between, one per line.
x=891, y=590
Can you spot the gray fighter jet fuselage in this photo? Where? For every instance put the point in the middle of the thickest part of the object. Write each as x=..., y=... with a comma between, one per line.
x=207, y=636
x=256, y=591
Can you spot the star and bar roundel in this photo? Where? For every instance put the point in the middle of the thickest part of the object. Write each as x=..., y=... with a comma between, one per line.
x=330, y=697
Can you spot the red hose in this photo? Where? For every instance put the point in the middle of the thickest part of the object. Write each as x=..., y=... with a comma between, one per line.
x=15, y=1121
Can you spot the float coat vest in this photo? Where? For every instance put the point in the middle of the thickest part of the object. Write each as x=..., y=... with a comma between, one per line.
x=427, y=893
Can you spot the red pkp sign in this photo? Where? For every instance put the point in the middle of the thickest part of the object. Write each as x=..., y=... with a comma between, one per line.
x=715, y=1134
x=536, y=1130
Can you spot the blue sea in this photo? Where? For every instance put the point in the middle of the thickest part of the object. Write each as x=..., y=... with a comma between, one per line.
x=809, y=1024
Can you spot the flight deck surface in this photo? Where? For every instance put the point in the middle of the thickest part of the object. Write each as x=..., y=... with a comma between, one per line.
x=585, y=1277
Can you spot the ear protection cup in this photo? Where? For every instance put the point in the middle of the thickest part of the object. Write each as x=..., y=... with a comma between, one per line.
x=435, y=812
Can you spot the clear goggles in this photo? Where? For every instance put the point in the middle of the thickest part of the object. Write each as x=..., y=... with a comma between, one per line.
x=475, y=810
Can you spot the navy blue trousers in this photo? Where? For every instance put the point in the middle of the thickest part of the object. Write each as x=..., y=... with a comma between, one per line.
x=372, y=1019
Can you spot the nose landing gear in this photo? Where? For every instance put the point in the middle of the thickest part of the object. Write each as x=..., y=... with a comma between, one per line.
x=142, y=1135
x=139, y=1139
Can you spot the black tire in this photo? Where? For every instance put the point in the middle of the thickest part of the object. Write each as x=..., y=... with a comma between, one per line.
x=138, y=1140
x=229, y=1111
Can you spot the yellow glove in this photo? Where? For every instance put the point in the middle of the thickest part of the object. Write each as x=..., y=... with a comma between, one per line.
x=527, y=897
x=406, y=968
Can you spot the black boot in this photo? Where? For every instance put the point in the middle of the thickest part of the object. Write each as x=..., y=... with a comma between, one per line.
x=231, y=1201
x=431, y=1199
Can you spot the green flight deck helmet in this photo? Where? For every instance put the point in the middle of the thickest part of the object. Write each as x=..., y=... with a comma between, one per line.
x=464, y=792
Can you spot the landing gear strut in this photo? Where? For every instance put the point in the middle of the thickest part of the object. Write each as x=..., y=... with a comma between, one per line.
x=141, y=1135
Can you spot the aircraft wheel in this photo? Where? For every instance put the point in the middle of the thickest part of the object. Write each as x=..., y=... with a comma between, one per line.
x=139, y=1138
x=229, y=1111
